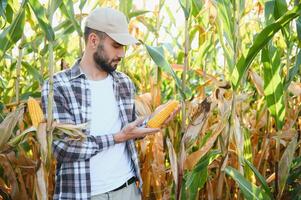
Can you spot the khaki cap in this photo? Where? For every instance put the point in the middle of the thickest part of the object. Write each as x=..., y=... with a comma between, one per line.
x=113, y=23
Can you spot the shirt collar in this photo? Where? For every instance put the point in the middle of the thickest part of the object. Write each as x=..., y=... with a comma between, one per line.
x=76, y=70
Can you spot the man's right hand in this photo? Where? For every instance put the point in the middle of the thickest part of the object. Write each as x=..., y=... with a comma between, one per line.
x=132, y=131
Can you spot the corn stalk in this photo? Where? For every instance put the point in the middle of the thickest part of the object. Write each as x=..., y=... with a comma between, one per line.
x=19, y=64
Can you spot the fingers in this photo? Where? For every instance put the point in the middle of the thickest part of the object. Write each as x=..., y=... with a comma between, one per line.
x=147, y=131
x=151, y=130
x=171, y=116
x=138, y=121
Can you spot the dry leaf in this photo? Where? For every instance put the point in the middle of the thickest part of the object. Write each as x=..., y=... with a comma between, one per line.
x=173, y=161
x=194, y=157
x=258, y=82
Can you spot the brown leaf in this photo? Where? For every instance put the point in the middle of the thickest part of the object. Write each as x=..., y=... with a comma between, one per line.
x=146, y=173
x=158, y=165
x=69, y=131
x=41, y=184
x=258, y=82
x=193, y=158
x=10, y=175
x=143, y=104
x=23, y=193
x=210, y=194
x=42, y=139
x=173, y=161
x=22, y=161
x=199, y=120
x=285, y=163
x=295, y=88
x=8, y=124
x=223, y=104
x=271, y=178
x=239, y=140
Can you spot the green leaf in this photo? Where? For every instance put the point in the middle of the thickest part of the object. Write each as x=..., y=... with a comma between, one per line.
x=125, y=6
x=183, y=190
x=65, y=27
x=186, y=6
x=207, y=160
x=53, y=6
x=137, y=13
x=196, y=181
x=260, y=41
x=159, y=59
x=13, y=33
x=280, y=8
x=9, y=13
x=1, y=110
x=273, y=86
x=66, y=8
x=82, y=4
x=33, y=71
x=269, y=12
x=196, y=7
x=247, y=154
x=260, y=177
x=3, y=4
x=249, y=190
x=298, y=25
x=285, y=163
x=39, y=12
x=293, y=71
x=170, y=15
x=197, y=178
x=3, y=82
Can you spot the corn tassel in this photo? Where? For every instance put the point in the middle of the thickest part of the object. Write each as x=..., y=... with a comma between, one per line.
x=159, y=119
x=35, y=112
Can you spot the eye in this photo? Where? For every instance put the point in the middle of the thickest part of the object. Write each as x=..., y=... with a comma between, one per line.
x=117, y=46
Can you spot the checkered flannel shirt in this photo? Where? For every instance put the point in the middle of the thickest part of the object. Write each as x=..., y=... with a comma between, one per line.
x=72, y=105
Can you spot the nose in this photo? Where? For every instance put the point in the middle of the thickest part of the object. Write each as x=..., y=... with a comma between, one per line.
x=121, y=52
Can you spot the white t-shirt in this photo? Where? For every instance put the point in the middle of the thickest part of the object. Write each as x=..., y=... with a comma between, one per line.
x=111, y=167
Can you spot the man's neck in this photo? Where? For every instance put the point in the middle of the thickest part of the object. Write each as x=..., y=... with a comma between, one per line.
x=89, y=67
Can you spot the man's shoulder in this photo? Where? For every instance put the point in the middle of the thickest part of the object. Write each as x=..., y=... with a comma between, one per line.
x=126, y=81
x=60, y=78
x=123, y=77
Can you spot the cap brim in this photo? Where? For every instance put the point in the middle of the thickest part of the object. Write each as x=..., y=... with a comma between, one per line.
x=123, y=38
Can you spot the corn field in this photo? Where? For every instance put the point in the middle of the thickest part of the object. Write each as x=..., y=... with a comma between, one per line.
x=234, y=65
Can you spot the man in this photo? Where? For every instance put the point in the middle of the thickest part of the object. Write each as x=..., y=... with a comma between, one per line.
x=105, y=165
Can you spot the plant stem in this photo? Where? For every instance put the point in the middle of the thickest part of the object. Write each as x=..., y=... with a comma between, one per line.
x=19, y=64
x=51, y=72
x=79, y=36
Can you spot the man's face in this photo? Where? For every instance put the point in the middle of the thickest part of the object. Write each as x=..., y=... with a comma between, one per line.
x=108, y=54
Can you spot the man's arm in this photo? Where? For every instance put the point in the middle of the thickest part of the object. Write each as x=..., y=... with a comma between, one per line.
x=68, y=150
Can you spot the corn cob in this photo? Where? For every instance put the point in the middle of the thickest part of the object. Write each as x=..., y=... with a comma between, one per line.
x=35, y=111
x=158, y=119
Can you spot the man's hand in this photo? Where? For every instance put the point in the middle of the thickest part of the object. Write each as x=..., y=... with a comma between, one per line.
x=132, y=131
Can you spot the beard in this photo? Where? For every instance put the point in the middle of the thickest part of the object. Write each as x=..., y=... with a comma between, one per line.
x=102, y=61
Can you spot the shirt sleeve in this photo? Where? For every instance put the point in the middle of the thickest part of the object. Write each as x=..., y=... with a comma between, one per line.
x=71, y=150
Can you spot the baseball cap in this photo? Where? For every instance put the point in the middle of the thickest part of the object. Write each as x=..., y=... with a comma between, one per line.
x=113, y=23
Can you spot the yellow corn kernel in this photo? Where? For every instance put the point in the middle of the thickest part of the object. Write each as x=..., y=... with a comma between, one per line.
x=158, y=119
x=35, y=112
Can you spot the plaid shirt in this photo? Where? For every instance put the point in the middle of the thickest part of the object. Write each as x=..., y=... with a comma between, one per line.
x=72, y=105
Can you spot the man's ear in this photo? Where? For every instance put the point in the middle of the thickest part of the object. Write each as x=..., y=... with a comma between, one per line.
x=93, y=40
